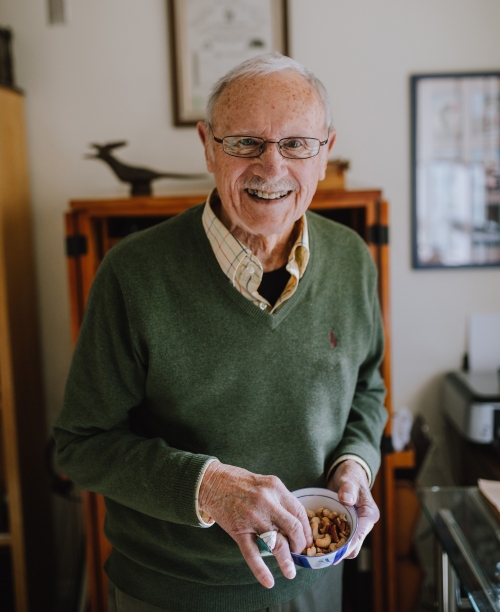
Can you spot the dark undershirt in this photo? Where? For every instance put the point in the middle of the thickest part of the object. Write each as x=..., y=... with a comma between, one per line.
x=273, y=283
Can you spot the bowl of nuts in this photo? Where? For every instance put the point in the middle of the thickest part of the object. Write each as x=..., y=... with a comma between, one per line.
x=333, y=525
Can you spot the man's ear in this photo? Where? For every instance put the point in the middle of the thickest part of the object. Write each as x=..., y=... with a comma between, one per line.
x=331, y=141
x=204, y=134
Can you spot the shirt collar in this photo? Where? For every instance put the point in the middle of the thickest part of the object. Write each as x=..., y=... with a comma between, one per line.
x=240, y=265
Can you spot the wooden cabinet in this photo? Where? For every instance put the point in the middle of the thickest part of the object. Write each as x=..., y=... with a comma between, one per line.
x=25, y=524
x=94, y=226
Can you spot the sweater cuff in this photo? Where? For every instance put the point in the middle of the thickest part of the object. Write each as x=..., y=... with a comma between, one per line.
x=362, y=463
x=185, y=486
x=203, y=518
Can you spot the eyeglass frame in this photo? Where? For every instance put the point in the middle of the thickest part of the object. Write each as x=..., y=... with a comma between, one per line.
x=265, y=142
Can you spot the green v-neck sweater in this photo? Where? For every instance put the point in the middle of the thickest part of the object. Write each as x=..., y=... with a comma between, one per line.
x=173, y=366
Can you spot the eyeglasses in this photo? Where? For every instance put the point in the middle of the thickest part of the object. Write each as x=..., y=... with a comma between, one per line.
x=293, y=147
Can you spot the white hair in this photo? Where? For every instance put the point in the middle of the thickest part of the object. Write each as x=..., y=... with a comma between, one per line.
x=266, y=64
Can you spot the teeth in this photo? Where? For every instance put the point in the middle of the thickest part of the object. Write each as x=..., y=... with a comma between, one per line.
x=267, y=196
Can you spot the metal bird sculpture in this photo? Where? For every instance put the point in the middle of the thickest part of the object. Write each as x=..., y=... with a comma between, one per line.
x=140, y=179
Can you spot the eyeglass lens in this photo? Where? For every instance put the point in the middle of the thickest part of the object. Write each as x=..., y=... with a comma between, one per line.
x=252, y=146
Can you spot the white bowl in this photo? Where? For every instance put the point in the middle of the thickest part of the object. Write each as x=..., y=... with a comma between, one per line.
x=312, y=499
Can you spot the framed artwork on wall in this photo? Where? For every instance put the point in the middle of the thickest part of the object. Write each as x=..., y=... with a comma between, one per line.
x=455, y=170
x=209, y=37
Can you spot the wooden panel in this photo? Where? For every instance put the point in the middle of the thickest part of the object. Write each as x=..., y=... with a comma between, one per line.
x=173, y=205
x=104, y=546
x=3, y=525
x=384, y=294
x=10, y=193
x=147, y=205
x=409, y=580
x=378, y=550
x=345, y=198
x=405, y=522
x=23, y=415
x=12, y=475
x=89, y=262
x=93, y=532
x=390, y=463
x=75, y=279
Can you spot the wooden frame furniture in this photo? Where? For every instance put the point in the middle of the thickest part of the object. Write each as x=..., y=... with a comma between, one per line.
x=25, y=527
x=94, y=226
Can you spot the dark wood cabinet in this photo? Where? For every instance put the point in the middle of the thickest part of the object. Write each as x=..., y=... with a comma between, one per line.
x=472, y=461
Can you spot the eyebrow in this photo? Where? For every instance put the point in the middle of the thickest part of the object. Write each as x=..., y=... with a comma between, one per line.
x=292, y=134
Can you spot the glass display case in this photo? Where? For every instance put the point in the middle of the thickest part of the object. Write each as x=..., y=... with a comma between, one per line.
x=467, y=534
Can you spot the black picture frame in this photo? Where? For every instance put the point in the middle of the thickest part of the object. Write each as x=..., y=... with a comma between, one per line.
x=450, y=112
x=183, y=114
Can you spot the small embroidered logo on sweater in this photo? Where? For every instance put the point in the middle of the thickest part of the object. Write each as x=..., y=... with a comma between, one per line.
x=333, y=340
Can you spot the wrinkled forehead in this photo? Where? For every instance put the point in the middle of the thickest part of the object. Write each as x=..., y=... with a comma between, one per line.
x=282, y=103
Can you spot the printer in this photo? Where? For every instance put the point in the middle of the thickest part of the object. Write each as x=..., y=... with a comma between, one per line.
x=471, y=403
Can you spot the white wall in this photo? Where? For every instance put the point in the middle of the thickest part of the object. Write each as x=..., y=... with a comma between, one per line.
x=106, y=76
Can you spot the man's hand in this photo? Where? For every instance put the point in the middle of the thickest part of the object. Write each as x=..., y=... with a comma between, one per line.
x=245, y=505
x=350, y=481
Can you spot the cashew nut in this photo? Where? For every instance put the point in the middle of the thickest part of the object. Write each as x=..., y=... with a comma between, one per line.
x=328, y=531
x=315, y=522
x=323, y=542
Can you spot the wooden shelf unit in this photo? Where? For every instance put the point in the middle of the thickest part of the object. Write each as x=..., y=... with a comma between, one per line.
x=24, y=483
x=6, y=539
x=94, y=226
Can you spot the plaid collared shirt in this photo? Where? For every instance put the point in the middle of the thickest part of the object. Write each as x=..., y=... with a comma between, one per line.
x=243, y=268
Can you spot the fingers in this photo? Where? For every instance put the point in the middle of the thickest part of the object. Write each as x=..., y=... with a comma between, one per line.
x=292, y=520
x=282, y=554
x=251, y=554
x=295, y=508
x=368, y=515
x=348, y=492
x=287, y=514
x=246, y=504
x=365, y=525
x=367, y=508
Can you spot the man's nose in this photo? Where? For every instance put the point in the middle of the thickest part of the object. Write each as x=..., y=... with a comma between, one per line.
x=274, y=165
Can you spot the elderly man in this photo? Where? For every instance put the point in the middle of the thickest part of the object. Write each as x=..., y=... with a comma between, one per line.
x=227, y=357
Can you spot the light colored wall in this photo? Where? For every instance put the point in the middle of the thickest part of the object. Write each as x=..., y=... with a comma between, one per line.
x=106, y=76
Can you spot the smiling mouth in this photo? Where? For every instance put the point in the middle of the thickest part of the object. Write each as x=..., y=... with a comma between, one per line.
x=266, y=195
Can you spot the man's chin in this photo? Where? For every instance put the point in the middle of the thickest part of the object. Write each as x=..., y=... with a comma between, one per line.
x=269, y=217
